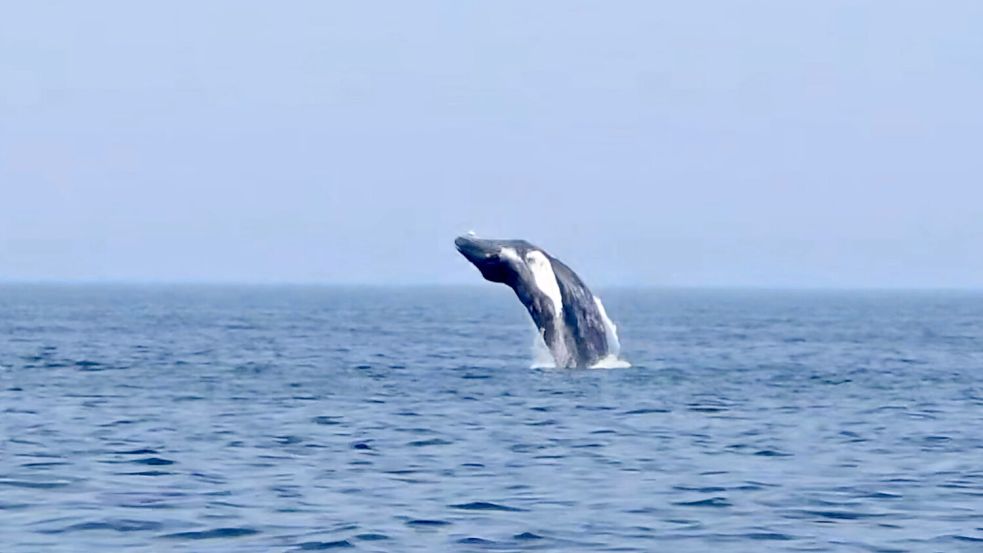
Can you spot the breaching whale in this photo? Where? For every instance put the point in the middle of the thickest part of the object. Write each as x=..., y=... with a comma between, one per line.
x=571, y=320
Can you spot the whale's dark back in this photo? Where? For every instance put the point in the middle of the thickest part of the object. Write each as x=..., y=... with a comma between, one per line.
x=581, y=316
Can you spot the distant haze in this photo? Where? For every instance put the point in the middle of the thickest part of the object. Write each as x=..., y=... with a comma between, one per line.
x=762, y=143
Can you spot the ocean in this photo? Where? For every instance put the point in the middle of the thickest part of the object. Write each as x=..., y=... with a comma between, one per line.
x=292, y=418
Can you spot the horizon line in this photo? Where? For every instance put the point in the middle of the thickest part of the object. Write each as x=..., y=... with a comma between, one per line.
x=437, y=284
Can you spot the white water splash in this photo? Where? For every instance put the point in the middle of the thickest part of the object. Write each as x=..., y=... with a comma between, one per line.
x=610, y=330
x=542, y=358
x=611, y=362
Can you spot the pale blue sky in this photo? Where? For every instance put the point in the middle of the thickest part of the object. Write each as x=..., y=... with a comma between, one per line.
x=765, y=143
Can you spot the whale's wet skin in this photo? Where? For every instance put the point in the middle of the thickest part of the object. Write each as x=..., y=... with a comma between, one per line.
x=571, y=321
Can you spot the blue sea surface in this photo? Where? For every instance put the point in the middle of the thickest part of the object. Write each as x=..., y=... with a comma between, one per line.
x=208, y=418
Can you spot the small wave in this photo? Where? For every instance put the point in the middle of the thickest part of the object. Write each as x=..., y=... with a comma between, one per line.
x=485, y=506
x=140, y=451
x=711, y=502
x=475, y=541
x=371, y=536
x=154, y=461
x=120, y=525
x=767, y=536
x=213, y=534
x=87, y=365
x=430, y=442
x=13, y=506
x=427, y=522
x=843, y=515
x=323, y=545
x=646, y=411
x=772, y=453
x=45, y=465
x=34, y=485
x=146, y=473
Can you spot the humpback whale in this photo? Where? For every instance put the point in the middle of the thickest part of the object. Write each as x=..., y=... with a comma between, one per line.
x=571, y=320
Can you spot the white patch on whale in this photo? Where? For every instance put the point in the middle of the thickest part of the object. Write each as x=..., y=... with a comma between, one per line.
x=545, y=278
x=510, y=253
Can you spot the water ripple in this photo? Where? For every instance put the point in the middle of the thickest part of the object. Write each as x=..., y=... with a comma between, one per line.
x=216, y=533
x=484, y=506
x=291, y=419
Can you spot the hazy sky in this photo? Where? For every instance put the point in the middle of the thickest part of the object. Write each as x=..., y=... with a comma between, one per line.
x=764, y=143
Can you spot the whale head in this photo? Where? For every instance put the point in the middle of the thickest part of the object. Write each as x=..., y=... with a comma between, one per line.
x=497, y=260
x=516, y=263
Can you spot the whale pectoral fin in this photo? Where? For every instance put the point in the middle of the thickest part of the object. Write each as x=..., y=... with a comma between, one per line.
x=541, y=311
x=556, y=342
x=552, y=329
x=549, y=334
